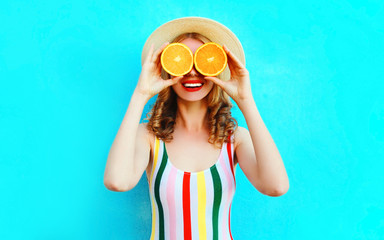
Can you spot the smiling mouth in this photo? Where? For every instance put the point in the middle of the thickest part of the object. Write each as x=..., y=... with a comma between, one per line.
x=193, y=85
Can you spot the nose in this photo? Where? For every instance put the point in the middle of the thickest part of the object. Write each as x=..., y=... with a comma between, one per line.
x=193, y=72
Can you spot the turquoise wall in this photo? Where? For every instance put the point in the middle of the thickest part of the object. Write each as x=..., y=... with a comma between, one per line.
x=68, y=69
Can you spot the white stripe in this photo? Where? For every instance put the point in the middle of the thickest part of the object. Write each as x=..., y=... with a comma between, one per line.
x=209, y=207
x=179, y=205
x=229, y=184
x=194, y=207
x=228, y=167
x=163, y=196
x=224, y=183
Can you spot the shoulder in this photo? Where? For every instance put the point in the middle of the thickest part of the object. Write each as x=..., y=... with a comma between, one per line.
x=240, y=134
x=145, y=133
x=239, y=137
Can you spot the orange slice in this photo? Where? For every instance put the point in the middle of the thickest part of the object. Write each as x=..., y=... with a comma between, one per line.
x=210, y=59
x=177, y=59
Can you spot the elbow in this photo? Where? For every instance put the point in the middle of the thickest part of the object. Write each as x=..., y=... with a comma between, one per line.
x=113, y=182
x=117, y=187
x=279, y=191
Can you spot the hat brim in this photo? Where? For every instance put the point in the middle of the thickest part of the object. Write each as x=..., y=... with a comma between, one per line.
x=209, y=28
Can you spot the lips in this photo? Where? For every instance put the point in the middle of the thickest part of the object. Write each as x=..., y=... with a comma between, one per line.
x=192, y=88
x=193, y=81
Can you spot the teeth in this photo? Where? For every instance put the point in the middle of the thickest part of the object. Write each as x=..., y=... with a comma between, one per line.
x=192, y=84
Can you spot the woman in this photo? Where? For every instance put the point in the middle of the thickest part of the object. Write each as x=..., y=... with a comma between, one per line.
x=191, y=145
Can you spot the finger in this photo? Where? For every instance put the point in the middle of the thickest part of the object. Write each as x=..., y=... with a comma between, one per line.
x=155, y=56
x=233, y=58
x=173, y=81
x=158, y=68
x=230, y=65
x=149, y=54
x=216, y=81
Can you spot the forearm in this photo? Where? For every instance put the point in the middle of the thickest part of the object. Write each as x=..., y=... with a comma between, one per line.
x=270, y=167
x=120, y=164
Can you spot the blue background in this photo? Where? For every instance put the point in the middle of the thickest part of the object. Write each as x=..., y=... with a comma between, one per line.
x=67, y=72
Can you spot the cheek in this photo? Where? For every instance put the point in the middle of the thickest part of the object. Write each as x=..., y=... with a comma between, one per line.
x=177, y=88
x=174, y=87
x=209, y=85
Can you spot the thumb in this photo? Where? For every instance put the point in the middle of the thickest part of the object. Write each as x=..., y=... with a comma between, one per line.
x=173, y=81
x=216, y=81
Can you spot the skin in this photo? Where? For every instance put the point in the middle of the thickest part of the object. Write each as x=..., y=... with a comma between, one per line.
x=191, y=131
x=188, y=99
x=255, y=150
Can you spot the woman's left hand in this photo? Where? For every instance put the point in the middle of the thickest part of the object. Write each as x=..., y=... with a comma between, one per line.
x=238, y=87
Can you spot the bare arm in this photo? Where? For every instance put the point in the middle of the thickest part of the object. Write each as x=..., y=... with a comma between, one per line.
x=258, y=155
x=129, y=153
x=256, y=151
x=120, y=171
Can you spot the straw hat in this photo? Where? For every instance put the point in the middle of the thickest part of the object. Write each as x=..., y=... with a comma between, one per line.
x=209, y=28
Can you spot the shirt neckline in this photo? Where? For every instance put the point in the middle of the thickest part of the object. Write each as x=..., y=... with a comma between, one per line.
x=194, y=173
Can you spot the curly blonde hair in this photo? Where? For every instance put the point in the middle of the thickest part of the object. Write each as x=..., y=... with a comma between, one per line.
x=162, y=117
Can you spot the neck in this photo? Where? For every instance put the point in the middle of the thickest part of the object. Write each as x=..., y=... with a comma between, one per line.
x=191, y=116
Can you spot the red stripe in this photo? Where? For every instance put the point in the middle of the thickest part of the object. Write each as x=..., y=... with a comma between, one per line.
x=229, y=221
x=187, y=206
x=230, y=164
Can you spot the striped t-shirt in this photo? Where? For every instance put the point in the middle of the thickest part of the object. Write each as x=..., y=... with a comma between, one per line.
x=191, y=205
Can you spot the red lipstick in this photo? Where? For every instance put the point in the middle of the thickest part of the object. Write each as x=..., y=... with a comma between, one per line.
x=192, y=89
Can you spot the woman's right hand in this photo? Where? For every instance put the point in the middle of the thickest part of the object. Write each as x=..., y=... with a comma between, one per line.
x=150, y=82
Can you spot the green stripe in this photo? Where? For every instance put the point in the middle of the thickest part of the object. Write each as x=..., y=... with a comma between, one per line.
x=216, y=202
x=157, y=194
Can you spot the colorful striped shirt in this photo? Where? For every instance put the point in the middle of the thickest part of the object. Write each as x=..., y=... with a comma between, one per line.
x=191, y=205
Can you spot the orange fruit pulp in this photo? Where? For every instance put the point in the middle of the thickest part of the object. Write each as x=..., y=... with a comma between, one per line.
x=177, y=59
x=210, y=59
